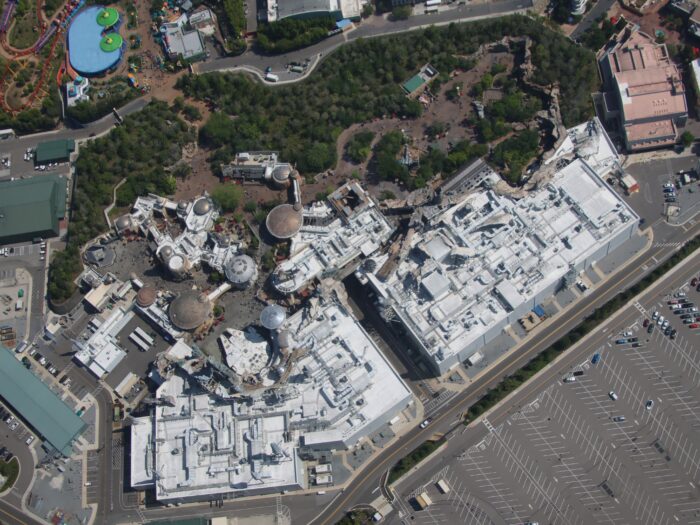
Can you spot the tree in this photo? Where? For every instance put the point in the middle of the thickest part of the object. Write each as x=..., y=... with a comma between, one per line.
x=357, y=148
x=401, y=12
x=687, y=138
x=227, y=196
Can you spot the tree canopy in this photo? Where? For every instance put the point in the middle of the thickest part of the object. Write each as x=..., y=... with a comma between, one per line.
x=138, y=151
x=361, y=81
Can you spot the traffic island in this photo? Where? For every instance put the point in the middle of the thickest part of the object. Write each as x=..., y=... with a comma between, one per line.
x=9, y=472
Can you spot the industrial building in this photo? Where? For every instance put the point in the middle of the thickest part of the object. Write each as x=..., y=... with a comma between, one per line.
x=337, y=9
x=54, y=151
x=330, y=235
x=53, y=420
x=259, y=166
x=317, y=381
x=644, y=98
x=31, y=208
x=475, y=265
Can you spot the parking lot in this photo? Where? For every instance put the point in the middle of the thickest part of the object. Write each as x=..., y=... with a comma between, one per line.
x=614, y=443
x=649, y=201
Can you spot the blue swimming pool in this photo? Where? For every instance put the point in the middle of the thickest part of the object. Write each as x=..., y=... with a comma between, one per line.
x=84, y=51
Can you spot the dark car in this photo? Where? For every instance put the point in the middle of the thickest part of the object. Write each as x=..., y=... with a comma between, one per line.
x=633, y=340
x=596, y=359
x=686, y=316
x=646, y=323
x=650, y=328
x=671, y=199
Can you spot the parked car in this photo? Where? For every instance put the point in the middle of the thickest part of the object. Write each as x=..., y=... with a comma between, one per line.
x=612, y=395
x=595, y=359
x=569, y=379
x=618, y=419
x=426, y=422
x=645, y=323
x=649, y=404
x=650, y=328
x=29, y=440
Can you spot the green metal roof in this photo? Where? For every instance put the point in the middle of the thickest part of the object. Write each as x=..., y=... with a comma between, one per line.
x=50, y=417
x=29, y=206
x=54, y=151
x=413, y=83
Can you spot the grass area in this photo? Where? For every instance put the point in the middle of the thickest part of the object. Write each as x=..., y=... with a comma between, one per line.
x=514, y=381
x=10, y=471
x=356, y=517
x=22, y=34
x=417, y=455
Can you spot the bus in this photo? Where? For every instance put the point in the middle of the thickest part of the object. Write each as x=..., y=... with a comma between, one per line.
x=431, y=3
x=143, y=335
x=138, y=342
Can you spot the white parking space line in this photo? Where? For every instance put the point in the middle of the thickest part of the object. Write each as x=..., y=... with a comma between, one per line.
x=646, y=508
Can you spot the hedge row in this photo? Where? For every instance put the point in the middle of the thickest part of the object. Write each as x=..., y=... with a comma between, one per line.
x=418, y=454
x=514, y=381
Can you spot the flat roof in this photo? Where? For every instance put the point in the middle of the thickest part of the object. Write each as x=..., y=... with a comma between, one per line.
x=33, y=205
x=45, y=412
x=54, y=150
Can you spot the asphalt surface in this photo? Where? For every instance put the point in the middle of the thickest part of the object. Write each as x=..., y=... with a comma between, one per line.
x=363, y=488
x=510, y=459
x=600, y=8
x=369, y=28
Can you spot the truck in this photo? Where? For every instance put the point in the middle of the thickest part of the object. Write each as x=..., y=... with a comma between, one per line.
x=443, y=486
x=474, y=358
x=271, y=77
x=296, y=69
x=423, y=500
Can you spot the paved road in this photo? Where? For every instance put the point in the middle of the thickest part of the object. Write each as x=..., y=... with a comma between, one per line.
x=17, y=147
x=371, y=27
x=363, y=488
x=600, y=8
x=459, y=442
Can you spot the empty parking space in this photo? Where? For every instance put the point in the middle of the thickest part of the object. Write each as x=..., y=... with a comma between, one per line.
x=611, y=440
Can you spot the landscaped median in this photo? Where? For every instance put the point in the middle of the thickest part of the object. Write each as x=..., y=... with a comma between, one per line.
x=9, y=471
x=514, y=381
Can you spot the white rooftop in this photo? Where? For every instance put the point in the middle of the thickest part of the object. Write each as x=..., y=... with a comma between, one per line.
x=334, y=234
x=101, y=352
x=487, y=255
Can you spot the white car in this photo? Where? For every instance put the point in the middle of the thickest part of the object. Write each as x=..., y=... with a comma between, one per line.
x=649, y=404
x=426, y=422
x=569, y=379
x=660, y=320
x=627, y=334
x=29, y=440
x=655, y=316
x=612, y=395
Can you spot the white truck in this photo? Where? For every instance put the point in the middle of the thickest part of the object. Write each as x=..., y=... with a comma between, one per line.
x=271, y=77
x=423, y=500
x=443, y=486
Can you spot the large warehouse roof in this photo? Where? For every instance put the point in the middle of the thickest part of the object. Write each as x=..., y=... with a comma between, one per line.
x=30, y=207
x=54, y=151
x=50, y=417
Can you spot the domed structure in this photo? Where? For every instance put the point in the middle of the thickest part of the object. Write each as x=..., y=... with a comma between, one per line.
x=146, y=296
x=241, y=271
x=165, y=253
x=182, y=206
x=189, y=310
x=280, y=174
x=202, y=206
x=123, y=223
x=177, y=265
x=272, y=316
x=284, y=221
